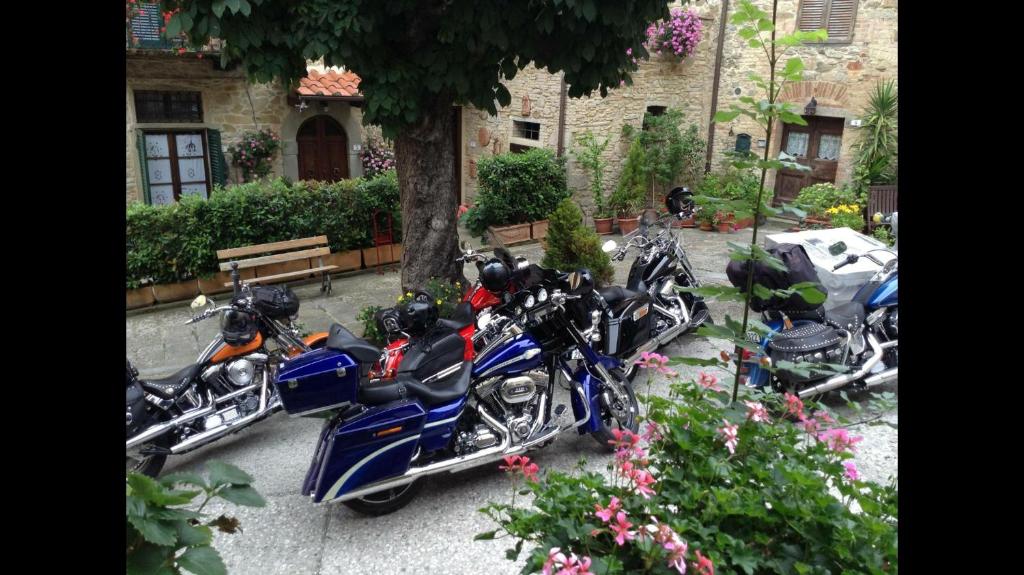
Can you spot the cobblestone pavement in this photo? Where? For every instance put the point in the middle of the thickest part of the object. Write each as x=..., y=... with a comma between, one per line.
x=434, y=534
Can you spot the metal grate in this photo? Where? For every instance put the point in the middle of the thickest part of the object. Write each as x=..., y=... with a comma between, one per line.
x=152, y=106
x=527, y=130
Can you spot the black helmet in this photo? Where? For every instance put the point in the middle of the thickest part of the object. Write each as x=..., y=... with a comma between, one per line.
x=581, y=282
x=679, y=200
x=388, y=321
x=494, y=275
x=238, y=327
x=417, y=316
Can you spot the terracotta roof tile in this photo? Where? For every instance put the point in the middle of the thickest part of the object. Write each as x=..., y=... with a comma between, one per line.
x=329, y=83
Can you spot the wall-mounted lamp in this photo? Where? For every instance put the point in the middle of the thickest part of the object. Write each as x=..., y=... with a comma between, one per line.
x=323, y=106
x=811, y=108
x=301, y=106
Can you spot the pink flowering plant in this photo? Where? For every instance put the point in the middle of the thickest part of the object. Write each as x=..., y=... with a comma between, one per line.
x=710, y=486
x=254, y=153
x=676, y=37
x=377, y=158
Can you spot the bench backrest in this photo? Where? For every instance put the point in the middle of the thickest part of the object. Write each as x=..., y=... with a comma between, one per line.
x=277, y=252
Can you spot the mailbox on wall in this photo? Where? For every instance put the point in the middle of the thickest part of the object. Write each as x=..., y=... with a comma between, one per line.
x=743, y=143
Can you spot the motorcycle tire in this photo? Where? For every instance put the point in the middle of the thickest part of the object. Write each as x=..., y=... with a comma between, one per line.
x=387, y=501
x=149, y=465
x=606, y=421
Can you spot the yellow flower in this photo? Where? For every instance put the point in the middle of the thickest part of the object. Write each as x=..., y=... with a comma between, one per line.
x=438, y=302
x=408, y=294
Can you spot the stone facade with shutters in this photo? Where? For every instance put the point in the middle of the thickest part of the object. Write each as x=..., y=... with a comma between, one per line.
x=231, y=105
x=840, y=76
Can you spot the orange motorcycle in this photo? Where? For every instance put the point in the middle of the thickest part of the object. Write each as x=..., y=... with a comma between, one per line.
x=230, y=385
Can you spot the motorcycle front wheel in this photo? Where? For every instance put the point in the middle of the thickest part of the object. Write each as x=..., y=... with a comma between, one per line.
x=387, y=501
x=607, y=420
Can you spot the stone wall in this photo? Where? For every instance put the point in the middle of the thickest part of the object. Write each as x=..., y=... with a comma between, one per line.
x=839, y=76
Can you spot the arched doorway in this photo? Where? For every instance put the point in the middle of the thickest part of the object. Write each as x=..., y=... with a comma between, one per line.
x=323, y=149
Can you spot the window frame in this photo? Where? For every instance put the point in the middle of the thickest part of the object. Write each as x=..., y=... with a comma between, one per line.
x=828, y=13
x=525, y=127
x=168, y=117
x=174, y=159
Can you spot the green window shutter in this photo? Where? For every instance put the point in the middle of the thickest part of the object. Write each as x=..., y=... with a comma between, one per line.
x=218, y=166
x=140, y=144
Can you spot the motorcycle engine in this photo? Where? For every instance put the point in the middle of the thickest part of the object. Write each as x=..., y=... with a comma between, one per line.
x=514, y=400
x=811, y=343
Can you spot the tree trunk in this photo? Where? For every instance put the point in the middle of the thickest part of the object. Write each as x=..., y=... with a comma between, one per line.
x=426, y=179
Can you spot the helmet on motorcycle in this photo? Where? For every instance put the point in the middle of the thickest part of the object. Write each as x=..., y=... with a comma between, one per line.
x=494, y=275
x=581, y=282
x=679, y=200
x=416, y=317
x=238, y=327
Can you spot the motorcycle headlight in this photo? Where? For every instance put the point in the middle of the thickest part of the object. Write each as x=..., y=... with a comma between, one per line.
x=542, y=295
x=530, y=301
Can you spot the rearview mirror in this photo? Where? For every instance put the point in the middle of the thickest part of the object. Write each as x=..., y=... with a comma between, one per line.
x=609, y=246
x=199, y=302
x=837, y=248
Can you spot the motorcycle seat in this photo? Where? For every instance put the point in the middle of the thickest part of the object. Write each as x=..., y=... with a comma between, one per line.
x=614, y=295
x=169, y=387
x=341, y=339
x=433, y=393
x=848, y=316
x=462, y=317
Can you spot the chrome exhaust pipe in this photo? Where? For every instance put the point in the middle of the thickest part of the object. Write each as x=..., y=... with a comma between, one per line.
x=158, y=430
x=205, y=437
x=884, y=377
x=843, y=379
x=452, y=465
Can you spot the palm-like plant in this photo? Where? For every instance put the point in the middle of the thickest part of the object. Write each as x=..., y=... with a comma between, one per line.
x=876, y=149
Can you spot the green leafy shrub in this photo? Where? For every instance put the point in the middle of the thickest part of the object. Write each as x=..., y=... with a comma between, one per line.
x=517, y=188
x=670, y=154
x=718, y=487
x=165, y=536
x=179, y=242
x=370, y=331
x=631, y=192
x=846, y=216
x=883, y=234
x=735, y=185
x=818, y=198
x=447, y=296
x=570, y=245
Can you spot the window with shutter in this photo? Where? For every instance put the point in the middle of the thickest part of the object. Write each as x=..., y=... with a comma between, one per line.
x=835, y=16
x=174, y=165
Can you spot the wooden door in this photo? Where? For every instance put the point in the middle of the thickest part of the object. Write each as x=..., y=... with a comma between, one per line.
x=815, y=145
x=323, y=150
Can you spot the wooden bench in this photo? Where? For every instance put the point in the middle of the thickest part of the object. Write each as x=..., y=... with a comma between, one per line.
x=280, y=252
x=881, y=199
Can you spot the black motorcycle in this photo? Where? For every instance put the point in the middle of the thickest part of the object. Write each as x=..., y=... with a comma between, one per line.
x=660, y=267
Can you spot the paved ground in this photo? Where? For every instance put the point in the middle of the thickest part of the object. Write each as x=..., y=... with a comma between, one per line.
x=434, y=534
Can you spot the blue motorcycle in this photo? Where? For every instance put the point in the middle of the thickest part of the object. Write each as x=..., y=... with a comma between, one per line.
x=443, y=412
x=861, y=335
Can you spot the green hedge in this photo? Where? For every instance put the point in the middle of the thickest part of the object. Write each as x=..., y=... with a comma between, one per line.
x=179, y=242
x=516, y=188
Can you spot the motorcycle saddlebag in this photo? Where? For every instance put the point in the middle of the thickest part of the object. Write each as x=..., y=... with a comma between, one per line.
x=799, y=268
x=136, y=416
x=318, y=380
x=276, y=302
x=375, y=444
x=630, y=326
x=807, y=342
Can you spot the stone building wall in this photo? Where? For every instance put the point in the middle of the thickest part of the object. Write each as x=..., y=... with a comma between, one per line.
x=683, y=85
x=840, y=76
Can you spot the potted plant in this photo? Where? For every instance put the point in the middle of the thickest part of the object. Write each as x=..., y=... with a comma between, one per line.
x=631, y=193
x=706, y=219
x=588, y=153
x=723, y=222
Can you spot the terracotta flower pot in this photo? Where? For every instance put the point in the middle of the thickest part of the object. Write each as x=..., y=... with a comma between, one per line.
x=816, y=221
x=139, y=297
x=724, y=227
x=176, y=292
x=539, y=230
x=603, y=225
x=350, y=260
x=512, y=234
x=689, y=222
x=627, y=225
x=706, y=226
x=389, y=253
